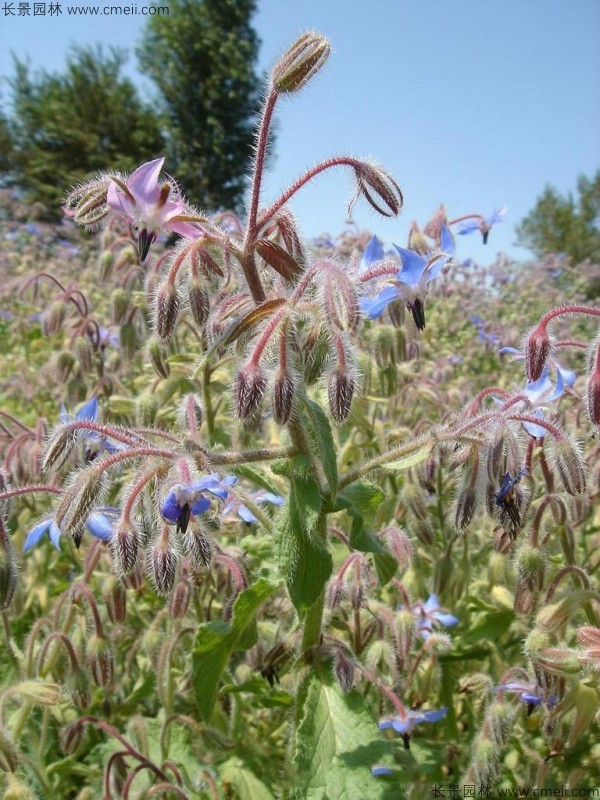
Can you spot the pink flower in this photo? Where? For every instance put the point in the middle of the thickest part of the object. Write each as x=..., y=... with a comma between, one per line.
x=151, y=205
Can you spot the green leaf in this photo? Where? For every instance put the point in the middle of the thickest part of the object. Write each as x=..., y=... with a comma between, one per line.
x=215, y=642
x=247, y=786
x=322, y=438
x=337, y=743
x=364, y=497
x=491, y=626
x=302, y=553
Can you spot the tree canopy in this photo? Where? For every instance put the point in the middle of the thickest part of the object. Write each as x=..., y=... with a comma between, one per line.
x=202, y=58
x=568, y=225
x=64, y=126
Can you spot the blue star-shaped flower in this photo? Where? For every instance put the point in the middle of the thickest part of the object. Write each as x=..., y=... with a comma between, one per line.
x=235, y=506
x=99, y=525
x=187, y=500
x=411, y=282
x=429, y=612
x=404, y=724
x=482, y=224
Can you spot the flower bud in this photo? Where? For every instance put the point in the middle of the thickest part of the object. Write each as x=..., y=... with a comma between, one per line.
x=9, y=755
x=379, y=189
x=119, y=306
x=83, y=352
x=115, y=597
x=316, y=353
x=343, y=669
x=593, y=384
x=569, y=465
x=53, y=318
x=65, y=361
x=303, y=60
x=417, y=240
x=190, y=413
x=162, y=563
x=157, y=358
x=146, y=409
x=124, y=546
x=283, y=397
x=106, y=263
x=88, y=202
x=72, y=514
x=553, y=618
x=250, y=387
x=485, y=761
x=8, y=569
x=537, y=348
x=339, y=299
x=179, y=600
x=336, y=591
x=531, y=566
x=78, y=687
x=399, y=546
x=500, y=717
x=100, y=657
x=397, y=312
x=166, y=311
x=340, y=389
x=404, y=628
x=558, y=661
x=198, y=302
x=71, y=737
x=535, y=642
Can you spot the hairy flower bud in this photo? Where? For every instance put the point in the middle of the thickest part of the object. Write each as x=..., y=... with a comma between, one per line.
x=8, y=569
x=190, y=413
x=9, y=755
x=593, y=384
x=404, y=631
x=343, y=669
x=537, y=348
x=83, y=352
x=52, y=319
x=119, y=305
x=146, y=409
x=115, y=598
x=340, y=389
x=339, y=298
x=570, y=466
x=179, y=600
x=198, y=302
x=162, y=563
x=106, y=263
x=197, y=546
x=87, y=203
x=64, y=363
x=124, y=546
x=559, y=661
x=283, y=397
x=157, y=358
x=316, y=353
x=303, y=60
x=100, y=657
x=250, y=386
x=166, y=311
x=531, y=566
x=378, y=188
x=71, y=737
x=78, y=687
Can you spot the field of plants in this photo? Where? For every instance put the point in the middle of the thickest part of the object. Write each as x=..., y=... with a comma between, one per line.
x=293, y=519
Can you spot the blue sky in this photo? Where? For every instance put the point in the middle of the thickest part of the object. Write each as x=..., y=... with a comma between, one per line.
x=470, y=103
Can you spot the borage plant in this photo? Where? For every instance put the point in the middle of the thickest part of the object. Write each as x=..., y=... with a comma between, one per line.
x=336, y=527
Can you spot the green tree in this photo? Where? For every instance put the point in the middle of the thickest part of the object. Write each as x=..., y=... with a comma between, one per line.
x=63, y=127
x=561, y=224
x=202, y=59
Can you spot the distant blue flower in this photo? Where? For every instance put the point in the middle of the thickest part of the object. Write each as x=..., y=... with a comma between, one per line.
x=187, y=500
x=429, y=612
x=480, y=324
x=530, y=693
x=404, y=724
x=372, y=254
x=380, y=769
x=482, y=224
x=235, y=506
x=410, y=285
x=107, y=337
x=97, y=524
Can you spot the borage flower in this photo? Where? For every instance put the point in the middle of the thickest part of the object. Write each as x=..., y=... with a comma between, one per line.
x=188, y=500
x=410, y=284
x=151, y=205
x=235, y=506
x=430, y=612
x=403, y=723
x=529, y=693
x=99, y=525
x=94, y=443
x=482, y=224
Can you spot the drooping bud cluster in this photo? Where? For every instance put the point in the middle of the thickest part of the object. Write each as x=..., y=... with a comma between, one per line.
x=298, y=65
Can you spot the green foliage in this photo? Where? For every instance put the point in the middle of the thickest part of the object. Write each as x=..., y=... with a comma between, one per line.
x=337, y=743
x=216, y=641
x=304, y=558
x=202, y=58
x=65, y=126
x=567, y=225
